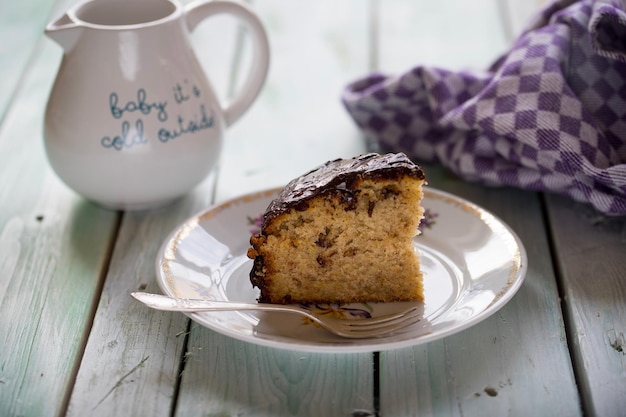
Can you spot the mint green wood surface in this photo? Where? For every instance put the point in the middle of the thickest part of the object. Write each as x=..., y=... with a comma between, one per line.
x=72, y=341
x=592, y=268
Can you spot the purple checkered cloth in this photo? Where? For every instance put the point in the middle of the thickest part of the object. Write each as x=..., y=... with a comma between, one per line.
x=549, y=115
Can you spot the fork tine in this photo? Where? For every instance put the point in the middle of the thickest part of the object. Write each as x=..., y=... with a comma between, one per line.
x=404, y=321
x=382, y=330
x=382, y=321
x=386, y=327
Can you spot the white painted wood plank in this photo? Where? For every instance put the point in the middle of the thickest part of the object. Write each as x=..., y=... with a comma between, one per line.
x=299, y=121
x=215, y=43
x=53, y=249
x=132, y=357
x=454, y=34
x=224, y=376
x=515, y=362
x=516, y=15
x=21, y=26
x=592, y=264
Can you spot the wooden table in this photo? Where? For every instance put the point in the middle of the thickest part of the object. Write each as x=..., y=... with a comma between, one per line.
x=73, y=343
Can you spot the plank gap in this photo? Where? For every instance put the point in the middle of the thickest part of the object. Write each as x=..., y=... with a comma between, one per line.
x=376, y=382
x=181, y=367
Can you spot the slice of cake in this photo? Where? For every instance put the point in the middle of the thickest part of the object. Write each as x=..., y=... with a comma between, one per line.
x=343, y=233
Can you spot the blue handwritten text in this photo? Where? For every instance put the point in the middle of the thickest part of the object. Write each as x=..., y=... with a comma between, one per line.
x=191, y=126
x=126, y=139
x=141, y=105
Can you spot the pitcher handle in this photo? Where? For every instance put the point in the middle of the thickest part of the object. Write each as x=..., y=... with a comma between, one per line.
x=198, y=11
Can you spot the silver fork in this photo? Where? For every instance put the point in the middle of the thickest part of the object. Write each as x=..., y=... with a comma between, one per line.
x=354, y=329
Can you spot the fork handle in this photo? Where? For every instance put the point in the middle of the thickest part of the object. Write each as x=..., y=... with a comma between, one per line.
x=166, y=303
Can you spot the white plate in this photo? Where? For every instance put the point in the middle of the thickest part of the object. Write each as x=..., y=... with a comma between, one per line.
x=473, y=264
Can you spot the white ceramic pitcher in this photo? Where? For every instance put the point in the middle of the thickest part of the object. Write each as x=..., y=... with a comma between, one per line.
x=132, y=121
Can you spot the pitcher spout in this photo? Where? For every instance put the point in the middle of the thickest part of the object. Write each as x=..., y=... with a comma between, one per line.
x=64, y=31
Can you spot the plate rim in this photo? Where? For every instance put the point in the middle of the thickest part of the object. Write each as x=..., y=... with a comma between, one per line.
x=516, y=279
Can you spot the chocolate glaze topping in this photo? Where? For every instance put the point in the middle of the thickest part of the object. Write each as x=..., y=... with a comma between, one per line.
x=341, y=176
